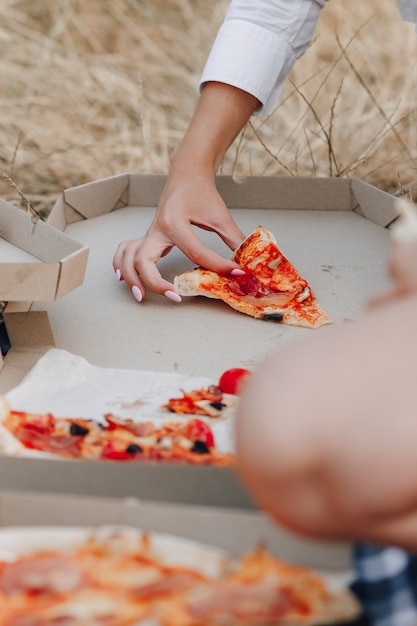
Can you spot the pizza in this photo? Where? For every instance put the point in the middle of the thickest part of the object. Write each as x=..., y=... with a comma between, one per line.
x=123, y=576
x=143, y=432
x=189, y=441
x=209, y=401
x=270, y=289
x=212, y=400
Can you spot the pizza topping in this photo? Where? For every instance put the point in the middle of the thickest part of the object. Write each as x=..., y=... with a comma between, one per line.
x=232, y=599
x=171, y=583
x=46, y=573
x=248, y=285
x=200, y=447
x=218, y=405
x=140, y=429
x=208, y=401
x=165, y=443
x=197, y=430
x=76, y=429
x=173, y=441
x=133, y=448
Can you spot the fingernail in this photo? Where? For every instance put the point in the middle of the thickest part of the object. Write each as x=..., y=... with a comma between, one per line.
x=237, y=272
x=171, y=295
x=137, y=294
x=118, y=274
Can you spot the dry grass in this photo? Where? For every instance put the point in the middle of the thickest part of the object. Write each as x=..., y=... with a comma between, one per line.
x=90, y=88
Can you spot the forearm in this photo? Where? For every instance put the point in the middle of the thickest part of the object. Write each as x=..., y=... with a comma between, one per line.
x=221, y=113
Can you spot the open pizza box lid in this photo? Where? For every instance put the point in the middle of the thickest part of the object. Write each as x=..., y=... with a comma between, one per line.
x=37, y=261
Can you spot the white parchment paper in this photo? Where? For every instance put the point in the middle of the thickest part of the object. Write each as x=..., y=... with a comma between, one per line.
x=69, y=386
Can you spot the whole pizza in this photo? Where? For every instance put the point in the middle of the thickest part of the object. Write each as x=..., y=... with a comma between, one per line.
x=126, y=577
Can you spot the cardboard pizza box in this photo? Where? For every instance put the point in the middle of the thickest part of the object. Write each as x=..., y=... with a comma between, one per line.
x=335, y=231
x=233, y=530
x=37, y=261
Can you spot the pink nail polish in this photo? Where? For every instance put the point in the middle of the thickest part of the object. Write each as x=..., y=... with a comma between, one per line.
x=137, y=294
x=237, y=272
x=171, y=295
x=118, y=274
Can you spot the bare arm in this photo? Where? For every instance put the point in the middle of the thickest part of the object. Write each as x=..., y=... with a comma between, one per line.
x=190, y=195
x=254, y=51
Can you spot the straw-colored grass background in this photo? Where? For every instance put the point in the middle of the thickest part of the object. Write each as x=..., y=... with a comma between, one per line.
x=91, y=88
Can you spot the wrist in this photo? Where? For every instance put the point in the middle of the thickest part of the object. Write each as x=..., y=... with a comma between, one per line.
x=188, y=159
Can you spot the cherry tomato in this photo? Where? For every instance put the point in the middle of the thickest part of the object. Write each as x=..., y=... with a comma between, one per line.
x=232, y=381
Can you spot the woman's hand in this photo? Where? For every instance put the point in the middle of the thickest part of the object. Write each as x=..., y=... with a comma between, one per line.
x=190, y=197
x=191, y=200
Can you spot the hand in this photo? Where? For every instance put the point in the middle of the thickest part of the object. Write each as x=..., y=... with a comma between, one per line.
x=190, y=196
x=185, y=201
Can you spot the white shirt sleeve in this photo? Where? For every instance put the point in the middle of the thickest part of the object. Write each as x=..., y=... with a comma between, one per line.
x=258, y=44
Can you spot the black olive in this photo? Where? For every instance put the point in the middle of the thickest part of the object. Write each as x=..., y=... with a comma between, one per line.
x=76, y=429
x=133, y=448
x=217, y=405
x=273, y=317
x=199, y=447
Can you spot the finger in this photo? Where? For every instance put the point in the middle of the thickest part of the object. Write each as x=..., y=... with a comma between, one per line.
x=118, y=258
x=224, y=226
x=229, y=232
x=143, y=258
x=129, y=272
x=192, y=247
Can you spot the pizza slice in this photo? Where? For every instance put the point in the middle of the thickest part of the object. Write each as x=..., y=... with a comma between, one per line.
x=210, y=401
x=271, y=288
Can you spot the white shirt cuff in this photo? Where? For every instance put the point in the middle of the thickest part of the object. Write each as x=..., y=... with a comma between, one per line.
x=250, y=58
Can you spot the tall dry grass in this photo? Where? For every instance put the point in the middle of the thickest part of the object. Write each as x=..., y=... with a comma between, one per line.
x=91, y=88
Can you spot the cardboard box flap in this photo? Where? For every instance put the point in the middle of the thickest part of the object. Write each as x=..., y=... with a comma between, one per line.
x=29, y=330
x=39, y=239
x=259, y=192
x=37, y=261
x=92, y=199
x=256, y=192
x=31, y=335
x=149, y=481
x=145, y=190
x=373, y=204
